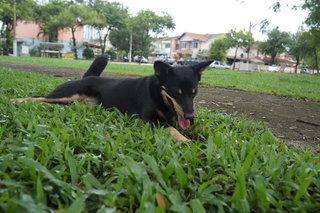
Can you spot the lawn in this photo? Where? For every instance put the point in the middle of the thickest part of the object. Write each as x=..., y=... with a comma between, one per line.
x=293, y=85
x=87, y=159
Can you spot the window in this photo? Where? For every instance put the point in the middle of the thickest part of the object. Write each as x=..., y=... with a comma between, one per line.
x=195, y=45
x=184, y=45
x=167, y=45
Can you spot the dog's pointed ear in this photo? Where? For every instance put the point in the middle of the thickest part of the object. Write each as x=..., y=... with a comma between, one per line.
x=200, y=67
x=161, y=68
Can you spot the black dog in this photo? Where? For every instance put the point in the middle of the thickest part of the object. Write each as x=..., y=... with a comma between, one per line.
x=163, y=97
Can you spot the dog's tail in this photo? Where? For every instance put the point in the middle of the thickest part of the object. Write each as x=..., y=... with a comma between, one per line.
x=97, y=66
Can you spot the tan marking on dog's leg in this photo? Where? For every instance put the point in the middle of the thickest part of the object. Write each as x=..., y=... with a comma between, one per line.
x=64, y=100
x=177, y=136
x=20, y=100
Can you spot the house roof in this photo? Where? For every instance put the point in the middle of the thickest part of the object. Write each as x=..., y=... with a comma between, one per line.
x=201, y=37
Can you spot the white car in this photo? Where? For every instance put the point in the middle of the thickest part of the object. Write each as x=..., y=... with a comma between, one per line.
x=140, y=59
x=219, y=65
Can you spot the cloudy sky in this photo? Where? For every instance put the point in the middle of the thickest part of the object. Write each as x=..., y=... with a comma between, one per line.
x=220, y=16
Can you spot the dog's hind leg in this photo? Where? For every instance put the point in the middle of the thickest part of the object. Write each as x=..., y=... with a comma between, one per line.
x=63, y=100
x=177, y=136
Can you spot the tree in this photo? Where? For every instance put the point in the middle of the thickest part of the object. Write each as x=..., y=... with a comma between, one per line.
x=45, y=16
x=112, y=15
x=313, y=19
x=120, y=39
x=238, y=39
x=313, y=22
x=72, y=17
x=276, y=43
x=312, y=55
x=24, y=11
x=298, y=47
x=142, y=27
x=218, y=49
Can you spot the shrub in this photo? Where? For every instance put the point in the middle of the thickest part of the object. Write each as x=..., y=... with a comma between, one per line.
x=35, y=52
x=88, y=53
x=112, y=54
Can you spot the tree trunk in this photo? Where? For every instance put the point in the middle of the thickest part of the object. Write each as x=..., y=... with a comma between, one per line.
x=316, y=60
x=103, y=46
x=297, y=64
x=74, y=48
x=248, y=49
x=234, y=58
x=273, y=59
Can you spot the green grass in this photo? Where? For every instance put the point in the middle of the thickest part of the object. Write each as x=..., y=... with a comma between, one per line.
x=87, y=159
x=293, y=85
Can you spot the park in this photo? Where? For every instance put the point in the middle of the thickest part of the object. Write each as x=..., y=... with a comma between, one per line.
x=254, y=142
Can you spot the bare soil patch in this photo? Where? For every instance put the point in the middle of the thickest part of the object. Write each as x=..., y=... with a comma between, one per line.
x=297, y=122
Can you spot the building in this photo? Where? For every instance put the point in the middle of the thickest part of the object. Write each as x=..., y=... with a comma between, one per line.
x=29, y=37
x=191, y=44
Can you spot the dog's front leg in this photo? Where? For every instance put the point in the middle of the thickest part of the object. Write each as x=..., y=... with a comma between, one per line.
x=177, y=136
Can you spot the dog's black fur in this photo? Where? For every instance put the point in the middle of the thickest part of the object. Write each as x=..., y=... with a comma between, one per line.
x=97, y=66
x=160, y=98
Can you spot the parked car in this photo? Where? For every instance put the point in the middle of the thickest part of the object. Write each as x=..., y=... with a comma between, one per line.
x=140, y=59
x=305, y=71
x=273, y=68
x=165, y=59
x=188, y=61
x=125, y=59
x=219, y=65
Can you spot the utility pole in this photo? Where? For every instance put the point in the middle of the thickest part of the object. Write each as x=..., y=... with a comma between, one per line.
x=130, y=48
x=14, y=28
x=250, y=29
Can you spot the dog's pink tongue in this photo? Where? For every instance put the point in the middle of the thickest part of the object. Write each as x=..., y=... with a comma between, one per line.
x=183, y=123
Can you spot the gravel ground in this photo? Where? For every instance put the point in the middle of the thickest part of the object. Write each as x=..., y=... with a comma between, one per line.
x=297, y=122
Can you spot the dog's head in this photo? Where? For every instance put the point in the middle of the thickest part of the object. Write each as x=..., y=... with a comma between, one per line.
x=179, y=86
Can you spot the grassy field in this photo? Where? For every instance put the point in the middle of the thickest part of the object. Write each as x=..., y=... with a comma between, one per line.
x=87, y=159
x=297, y=86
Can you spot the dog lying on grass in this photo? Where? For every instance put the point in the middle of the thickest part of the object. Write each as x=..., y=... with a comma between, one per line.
x=163, y=97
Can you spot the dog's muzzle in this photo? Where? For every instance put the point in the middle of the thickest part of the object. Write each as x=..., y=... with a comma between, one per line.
x=183, y=118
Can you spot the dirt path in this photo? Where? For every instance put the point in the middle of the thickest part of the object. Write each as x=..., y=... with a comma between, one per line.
x=295, y=121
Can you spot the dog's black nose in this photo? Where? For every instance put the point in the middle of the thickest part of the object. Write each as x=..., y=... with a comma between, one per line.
x=188, y=116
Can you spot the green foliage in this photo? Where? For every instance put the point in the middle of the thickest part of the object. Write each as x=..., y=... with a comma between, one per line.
x=87, y=159
x=142, y=27
x=24, y=11
x=218, y=49
x=73, y=16
x=238, y=39
x=88, y=53
x=112, y=53
x=298, y=47
x=311, y=54
x=275, y=44
x=45, y=15
x=112, y=16
x=313, y=19
x=35, y=52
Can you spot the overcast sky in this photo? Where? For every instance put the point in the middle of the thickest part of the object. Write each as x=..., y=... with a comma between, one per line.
x=220, y=16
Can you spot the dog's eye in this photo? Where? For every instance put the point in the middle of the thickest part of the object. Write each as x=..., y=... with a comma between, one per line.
x=178, y=92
